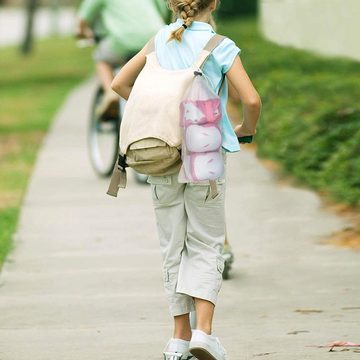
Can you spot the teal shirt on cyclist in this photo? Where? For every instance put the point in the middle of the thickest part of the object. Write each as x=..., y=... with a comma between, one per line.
x=127, y=24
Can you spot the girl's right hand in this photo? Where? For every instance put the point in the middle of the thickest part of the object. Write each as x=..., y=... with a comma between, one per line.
x=83, y=30
x=240, y=131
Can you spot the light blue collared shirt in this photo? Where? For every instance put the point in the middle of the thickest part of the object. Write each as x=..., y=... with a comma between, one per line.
x=173, y=55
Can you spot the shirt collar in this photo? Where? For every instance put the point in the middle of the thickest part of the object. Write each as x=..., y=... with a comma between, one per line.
x=196, y=25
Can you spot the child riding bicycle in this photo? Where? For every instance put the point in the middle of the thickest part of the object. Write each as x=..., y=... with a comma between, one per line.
x=123, y=32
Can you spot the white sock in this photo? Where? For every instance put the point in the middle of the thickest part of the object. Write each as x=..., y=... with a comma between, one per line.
x=178, y=345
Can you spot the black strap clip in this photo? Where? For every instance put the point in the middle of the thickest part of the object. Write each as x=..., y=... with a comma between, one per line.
x=245, y=139
x=122, y=165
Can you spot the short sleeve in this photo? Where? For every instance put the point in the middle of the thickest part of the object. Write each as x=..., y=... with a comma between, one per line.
x=162, y=9
x=225, y=54
x=89, y=9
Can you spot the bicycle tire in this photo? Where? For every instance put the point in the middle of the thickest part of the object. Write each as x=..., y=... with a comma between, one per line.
x=103, y=139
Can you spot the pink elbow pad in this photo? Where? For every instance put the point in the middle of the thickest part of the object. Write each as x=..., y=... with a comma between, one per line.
x=191, y=114
x=200, y=112
x=202, y=138
x=211, y=108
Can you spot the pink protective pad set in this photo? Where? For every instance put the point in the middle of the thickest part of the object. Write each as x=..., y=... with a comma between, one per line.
x=201, y=148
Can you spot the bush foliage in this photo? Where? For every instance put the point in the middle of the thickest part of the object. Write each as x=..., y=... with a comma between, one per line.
x=311, y=114
x=231, y=8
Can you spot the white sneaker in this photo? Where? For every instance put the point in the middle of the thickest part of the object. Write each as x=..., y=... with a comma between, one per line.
x=206, y=347
x=228, y=256
x=177, y=349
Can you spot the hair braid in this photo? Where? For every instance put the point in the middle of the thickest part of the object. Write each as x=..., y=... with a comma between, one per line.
x=187, y=10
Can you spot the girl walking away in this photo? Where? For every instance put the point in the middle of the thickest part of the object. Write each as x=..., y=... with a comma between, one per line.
x=190, y=216
x=121, y=31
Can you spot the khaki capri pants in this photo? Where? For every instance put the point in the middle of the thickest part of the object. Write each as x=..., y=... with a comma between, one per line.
x=191, y=227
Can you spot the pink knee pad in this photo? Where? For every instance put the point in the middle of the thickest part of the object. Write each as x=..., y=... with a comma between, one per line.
x=204, y=166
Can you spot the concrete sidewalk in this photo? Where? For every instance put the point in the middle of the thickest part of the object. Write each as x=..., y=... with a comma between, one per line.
x=84, y=281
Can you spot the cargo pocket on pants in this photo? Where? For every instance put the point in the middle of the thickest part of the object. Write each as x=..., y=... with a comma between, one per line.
x=170, y=281
x=163, y=190
x=201, y=191
x=220, y=265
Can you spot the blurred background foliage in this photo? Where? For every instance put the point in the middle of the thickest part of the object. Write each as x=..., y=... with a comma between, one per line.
x=311, y=116
x=228, y=8
x=232, y=8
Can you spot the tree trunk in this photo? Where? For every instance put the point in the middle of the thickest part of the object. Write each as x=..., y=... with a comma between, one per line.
x=26, y=46
x=55, y=8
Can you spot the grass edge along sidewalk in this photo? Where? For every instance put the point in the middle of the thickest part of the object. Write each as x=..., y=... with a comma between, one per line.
x=32, y=90
x=311, y=115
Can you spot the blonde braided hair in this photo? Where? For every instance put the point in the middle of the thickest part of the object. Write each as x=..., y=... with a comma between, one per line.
x=187, y=10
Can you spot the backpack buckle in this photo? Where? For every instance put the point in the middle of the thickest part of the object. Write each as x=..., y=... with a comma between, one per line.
x=198, y=73
x=121, y=163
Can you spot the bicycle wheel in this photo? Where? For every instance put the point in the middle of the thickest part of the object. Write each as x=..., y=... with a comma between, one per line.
x=103, y=138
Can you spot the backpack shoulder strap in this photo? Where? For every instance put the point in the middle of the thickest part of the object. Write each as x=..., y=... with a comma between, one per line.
x=211, y=45
x=151, y=46
x=118, y=177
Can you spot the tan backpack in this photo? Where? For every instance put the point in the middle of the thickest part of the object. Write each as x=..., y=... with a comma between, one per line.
x=150, y=132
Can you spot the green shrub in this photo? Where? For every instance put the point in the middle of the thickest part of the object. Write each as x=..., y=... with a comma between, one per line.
x=310, y=118
x=231, y=8
x=8, y=219
x=341, y=172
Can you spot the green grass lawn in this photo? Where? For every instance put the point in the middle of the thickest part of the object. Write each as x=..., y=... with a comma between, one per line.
x=32, y=89
x=311, y=114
